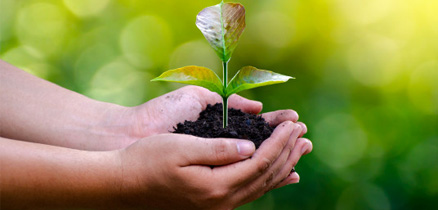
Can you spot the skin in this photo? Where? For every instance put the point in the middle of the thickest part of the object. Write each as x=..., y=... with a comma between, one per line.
x=61, y=149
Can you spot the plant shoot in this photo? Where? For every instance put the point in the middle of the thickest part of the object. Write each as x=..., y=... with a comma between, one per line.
x=222, y=25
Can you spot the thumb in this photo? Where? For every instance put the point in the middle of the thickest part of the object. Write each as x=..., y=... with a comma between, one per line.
x=217, y=151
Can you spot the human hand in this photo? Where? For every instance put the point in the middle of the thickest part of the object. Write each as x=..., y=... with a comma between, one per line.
x=173, y=171
x=274, y=119
x=161, y=114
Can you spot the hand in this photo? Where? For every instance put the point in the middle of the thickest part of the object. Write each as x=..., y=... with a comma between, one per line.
x=173, y=171
x=302, y=145
x=161, y=114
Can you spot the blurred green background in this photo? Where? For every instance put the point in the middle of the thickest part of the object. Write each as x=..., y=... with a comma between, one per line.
x=366, y=82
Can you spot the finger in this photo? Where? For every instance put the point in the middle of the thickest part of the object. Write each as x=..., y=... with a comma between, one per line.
x=242, y=173
x=309, y=148
x=253, y=169
x=277, y=117
x=302, y=147
x=281, y=164
x=293, y=178
x=272, y=147
x=217, y=151
x=249, y=106
x=275, y=176
x=304, y=131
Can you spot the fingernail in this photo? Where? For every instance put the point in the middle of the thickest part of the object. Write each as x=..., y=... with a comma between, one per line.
x=245, y=148
x=294, y=178
x=298, y=128
x=305, y=147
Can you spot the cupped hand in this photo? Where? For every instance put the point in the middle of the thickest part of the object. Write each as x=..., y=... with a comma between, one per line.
x=161, y=114
x=173, y=171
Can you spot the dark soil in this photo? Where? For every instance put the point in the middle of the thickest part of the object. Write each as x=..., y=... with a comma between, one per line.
x=240, y=125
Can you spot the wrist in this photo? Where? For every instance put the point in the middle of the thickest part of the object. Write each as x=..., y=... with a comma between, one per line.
x=120, y=126
x=99, y=180
x=128, y=124
x=116, y=127
x=108, y=179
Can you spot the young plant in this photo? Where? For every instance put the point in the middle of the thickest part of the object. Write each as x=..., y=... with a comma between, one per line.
x=222, y=25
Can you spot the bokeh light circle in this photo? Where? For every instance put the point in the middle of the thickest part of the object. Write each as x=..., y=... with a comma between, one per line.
x=364, y=196
x=30, y=60
x=418, y=170
x=84, y=8
x=423, y=87
x=6, y=19
x=146, y=42
x=90, y=61
x=197, y=53
x=118, y=82
x=358, y=12
x=273, y=28
x=374, y=60
x=42, y=26
x=339, y=140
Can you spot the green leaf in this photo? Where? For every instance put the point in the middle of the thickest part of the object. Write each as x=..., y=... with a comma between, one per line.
x=250, y=77
x=222, y=26
x=193, y=75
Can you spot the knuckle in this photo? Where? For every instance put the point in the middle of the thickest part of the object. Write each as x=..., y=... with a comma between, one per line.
x=264, y=164
x=221, y=150
x=291, y=148
x=269, y=187
x=284, y=142
x=269, y=179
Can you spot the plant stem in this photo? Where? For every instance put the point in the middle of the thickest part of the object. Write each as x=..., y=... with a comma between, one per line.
x=225, y=112
x=225, y=98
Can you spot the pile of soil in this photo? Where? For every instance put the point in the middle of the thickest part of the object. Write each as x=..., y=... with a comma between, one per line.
x=240, y=125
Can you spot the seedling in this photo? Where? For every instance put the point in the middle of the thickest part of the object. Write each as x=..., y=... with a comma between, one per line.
x=222, y=25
